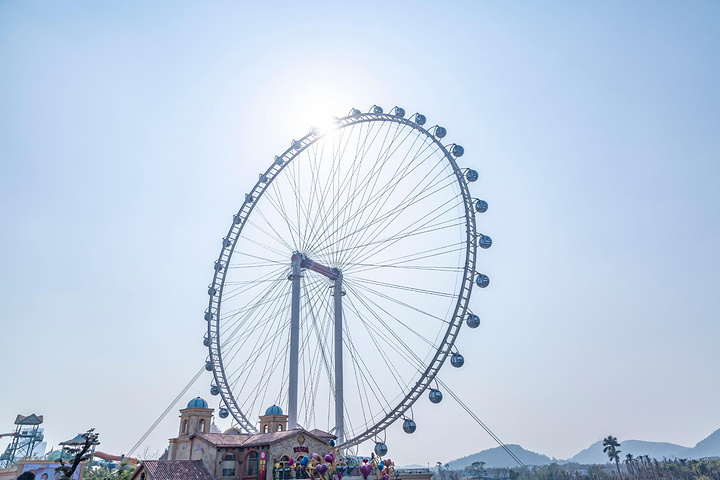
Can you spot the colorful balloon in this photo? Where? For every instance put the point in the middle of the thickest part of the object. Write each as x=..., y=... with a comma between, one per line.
x=365, y=470
x=321, y=469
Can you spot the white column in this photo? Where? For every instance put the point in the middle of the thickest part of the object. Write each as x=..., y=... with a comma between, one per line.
x=294, y=341
x=339, y=412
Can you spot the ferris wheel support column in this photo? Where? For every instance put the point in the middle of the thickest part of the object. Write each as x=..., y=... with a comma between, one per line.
x=339, y=412
x=297, y=259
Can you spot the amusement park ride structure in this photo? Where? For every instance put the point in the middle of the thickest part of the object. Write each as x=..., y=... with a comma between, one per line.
x=377, y=206
x=25, y=438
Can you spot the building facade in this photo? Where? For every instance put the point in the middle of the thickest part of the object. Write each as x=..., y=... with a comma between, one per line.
x=233, y=455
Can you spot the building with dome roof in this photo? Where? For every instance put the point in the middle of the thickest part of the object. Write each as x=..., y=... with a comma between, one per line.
x=234, y=455
x=274, y=410
x=197, y=402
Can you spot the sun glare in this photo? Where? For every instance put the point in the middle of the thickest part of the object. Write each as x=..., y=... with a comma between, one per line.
x=319, y=105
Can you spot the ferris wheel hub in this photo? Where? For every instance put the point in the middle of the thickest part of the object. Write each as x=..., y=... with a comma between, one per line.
x=305, y=262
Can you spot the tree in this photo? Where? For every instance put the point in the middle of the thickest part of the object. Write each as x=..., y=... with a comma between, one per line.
x=476, y=469
x=610, y=445
x=123, y=472
x=629, y=461
x=78, y=453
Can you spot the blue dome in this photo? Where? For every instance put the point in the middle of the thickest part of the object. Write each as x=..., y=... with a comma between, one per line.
x=197, y=403
x=274, y=410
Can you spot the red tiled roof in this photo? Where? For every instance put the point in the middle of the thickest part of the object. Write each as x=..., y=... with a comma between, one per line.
x=245, y=440
x=177, y=470
x=224, y=440
x=320, y=434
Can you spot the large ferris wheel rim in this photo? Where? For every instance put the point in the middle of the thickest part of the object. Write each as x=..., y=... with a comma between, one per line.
x=239, y=221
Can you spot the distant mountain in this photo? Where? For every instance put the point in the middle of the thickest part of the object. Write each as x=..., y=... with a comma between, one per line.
x=499, y=458
x=594, y=453
x=709, y=447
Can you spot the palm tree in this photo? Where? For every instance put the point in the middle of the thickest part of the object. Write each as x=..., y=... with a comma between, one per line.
x=629, y=462
x=610, y=445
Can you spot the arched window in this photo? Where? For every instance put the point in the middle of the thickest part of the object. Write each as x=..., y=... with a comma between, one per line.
x=283, y=471
x=300, y=473
x=266, y=428
x=279, y=428
x=201, y=425
x=228, y=465
x=251, y=464
x=184, y=429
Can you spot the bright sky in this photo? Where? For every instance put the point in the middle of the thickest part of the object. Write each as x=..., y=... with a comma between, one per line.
x=129, y=133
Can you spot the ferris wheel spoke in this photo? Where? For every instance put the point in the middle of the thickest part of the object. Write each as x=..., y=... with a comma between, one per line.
x=334, y=186
x=379, y=349
x=253, y=355
x=275, y=199
x=372, y=203
x=413, y=359
x=270, y=274
x=240, y=372
x=408, y=353
x=260, y=300
x=276, y=237
x=398, y=302
x=400, y=262
x=397, y=286
x=347, y=186
x=306, y=359
x=357, y=163
x=240, y=287
x=268, y=370
x=374, y=228
x=320, y=331
x=393, y=214
x=427, y=227
x=301, y=210
x=264, y=259
x=380, y=162
x=350, y=217
x=266, y=247
x=250, y=265
x=315, y=193
x=267, y=301
x=349, y=345
x=353, y=217
x=359, y=367
x=236, y=344
x=384, y=243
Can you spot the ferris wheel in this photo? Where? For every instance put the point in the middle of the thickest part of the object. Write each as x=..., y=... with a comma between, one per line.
x=345, y=277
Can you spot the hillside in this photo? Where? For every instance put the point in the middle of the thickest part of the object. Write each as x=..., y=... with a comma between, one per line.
x=499, y=458
x=594, y=453
x=709, y=447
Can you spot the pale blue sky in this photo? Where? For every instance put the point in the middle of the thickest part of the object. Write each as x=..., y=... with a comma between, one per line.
x=129, y=133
